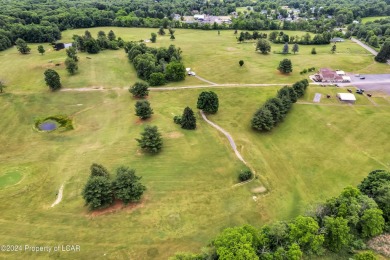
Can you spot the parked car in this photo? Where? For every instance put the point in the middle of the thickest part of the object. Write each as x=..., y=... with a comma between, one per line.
x=362, y=77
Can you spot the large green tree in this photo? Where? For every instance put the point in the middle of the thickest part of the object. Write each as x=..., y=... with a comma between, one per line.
x=71, y=66
x=336, y=233
x=97, y=192
x=52, y=79
x=208, y=102
x=175, y=71
x=377, y=186
x=71, y=52
x=285, y=66
x=237, y=243
x=263, y=45
x=262, y=120
x=372, y=222
x=143, y=109
x=188, y=120
x=305, y=232
x=384, y=53
x=150, y=140
x=22, y=47
x=139, y=90
x=127, y=186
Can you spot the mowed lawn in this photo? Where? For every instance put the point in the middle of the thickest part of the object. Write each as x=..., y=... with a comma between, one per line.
x=313, y=155
x=373, y=18
x=189, y=196
x=212, y=56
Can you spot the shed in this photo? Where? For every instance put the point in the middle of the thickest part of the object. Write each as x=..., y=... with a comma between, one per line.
x=346, y=97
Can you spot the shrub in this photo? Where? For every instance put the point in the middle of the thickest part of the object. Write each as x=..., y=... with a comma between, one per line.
x=245, y=175
x=177, y=120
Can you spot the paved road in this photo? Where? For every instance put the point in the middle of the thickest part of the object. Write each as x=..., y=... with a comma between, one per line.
x=374, y=52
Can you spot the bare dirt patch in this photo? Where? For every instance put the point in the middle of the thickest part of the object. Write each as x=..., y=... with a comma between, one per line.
x=381, y=244
x=173, y=135
x=260, y=189
x=117, y=206
x=140, y=121
x=231, y=49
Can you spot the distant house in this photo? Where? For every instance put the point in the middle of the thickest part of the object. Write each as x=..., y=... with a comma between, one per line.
x=199, y=17
x=355, y=21
x=336, y=39
x=346, y=97
x=176, y=17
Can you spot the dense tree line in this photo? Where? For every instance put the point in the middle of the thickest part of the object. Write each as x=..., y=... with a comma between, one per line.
x=306, y=39
x=156, y=65
x=275, y=109
x=373, y=33
x=87, y=43
x=340, y=224
x=42, y=21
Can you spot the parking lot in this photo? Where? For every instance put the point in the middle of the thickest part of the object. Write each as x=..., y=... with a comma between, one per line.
x=372, y=82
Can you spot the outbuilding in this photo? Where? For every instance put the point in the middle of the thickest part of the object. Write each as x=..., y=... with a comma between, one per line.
x=346, y=97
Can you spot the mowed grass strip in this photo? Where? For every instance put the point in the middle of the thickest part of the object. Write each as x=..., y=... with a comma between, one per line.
x=212, y=56
x=189, y=196
x=312, y=155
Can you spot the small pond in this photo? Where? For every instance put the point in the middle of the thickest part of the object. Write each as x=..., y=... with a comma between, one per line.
x=48, y=126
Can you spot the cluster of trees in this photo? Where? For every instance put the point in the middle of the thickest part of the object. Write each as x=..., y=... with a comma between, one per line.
x=306, y=39
x=71, y=60
x=43, y=21
x=142, y=107
x=275, y=109
x=86, y=43
x=374, y=33
x=246, y=36
x=341, y=224
x=101, y=191
x=157, y=66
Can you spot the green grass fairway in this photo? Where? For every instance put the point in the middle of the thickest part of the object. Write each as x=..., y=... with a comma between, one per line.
x=313, y=155
x=373, y=18
x=212, y=56
x=10, y=178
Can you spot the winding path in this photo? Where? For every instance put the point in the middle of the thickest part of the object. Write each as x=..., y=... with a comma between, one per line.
x=232, y=144
x=59, y=196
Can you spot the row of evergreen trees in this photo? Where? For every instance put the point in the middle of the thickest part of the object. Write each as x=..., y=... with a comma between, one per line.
x=275, y=109
x=341, y=224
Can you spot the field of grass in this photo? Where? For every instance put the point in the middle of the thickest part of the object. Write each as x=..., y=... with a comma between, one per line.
x=313, y=155
x=212, y=56
x=373, y=18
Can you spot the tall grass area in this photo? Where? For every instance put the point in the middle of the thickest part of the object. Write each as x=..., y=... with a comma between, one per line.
x=311, y=156
x=212, y=56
